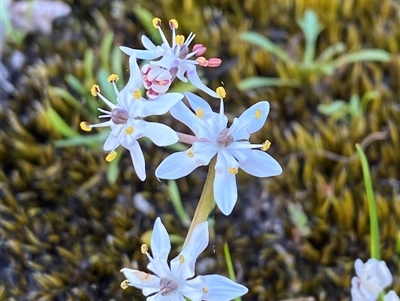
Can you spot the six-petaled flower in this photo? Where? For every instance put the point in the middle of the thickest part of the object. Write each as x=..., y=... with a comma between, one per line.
x=176, y=61
x=126, y=118
x=231, y=145
x=177, y=280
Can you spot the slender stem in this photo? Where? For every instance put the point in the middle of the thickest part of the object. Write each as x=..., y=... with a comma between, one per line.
x=206, y=202
x=373, y=217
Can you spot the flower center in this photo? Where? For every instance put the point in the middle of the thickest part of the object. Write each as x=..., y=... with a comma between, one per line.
x=167, y=286
x=224, y=138
x=119, y=116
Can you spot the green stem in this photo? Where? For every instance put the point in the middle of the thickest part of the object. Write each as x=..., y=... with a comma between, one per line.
x=373, y=217
x=206, y=202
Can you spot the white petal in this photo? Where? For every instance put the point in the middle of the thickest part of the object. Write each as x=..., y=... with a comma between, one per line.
x=391, y=296
x=148, y=282
x=143, y=54
x=182, y=113
x=159, y=106
x=168, y=62
x=160, y=244
x=179, y=164
x=250, y=114
x=225, y=189
x=137, y=157
x=159, y=133
x=197, y=243
x=358, y=266
x=196, y=102
x=261, y=164
x=114, y=139
x=195, y=80
x=147, y=43
x=193, y=289
x=221, y=288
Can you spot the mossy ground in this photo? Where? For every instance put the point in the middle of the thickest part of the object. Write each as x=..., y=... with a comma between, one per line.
x=66, y=232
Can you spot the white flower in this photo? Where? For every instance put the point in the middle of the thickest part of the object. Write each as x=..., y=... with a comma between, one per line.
x=176, y=281
x=231, y=146
x=391, y=296
x=372, y=277
x=125, y=119
x=175, y=61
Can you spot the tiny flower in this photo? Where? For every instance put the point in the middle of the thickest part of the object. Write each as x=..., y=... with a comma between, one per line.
x=176, y=61
x=176, y=280
x=231, y=145
x=391, y=296
x=125, y=118
x=372, y=277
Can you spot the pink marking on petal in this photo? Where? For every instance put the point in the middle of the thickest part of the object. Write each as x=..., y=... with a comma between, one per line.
x=214, y=62
x=200, y=49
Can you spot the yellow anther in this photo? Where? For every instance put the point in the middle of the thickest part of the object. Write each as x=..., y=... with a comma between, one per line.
x=173, y=24
x=181, y=259
x=111, y=156
x=179, y=39
x=144, y=248
x=205, y=290
x=233, y=170
x=95, y=89
x=258, y=114
x=189, y=153
x=156, y=22
x=221, y=92
x=199, y=112
x=137, y=94
x=129, y=130
x=113, y=78
x=124, y=284
x=266, y=145
x=85, y=126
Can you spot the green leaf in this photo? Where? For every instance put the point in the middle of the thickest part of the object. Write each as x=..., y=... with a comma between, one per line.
x=88, y=62
x=355, y=105
x=76, y=84
x=176, y=200
x=266, y=44
x=94, y=140
x=331, y=51
x=260, y=82
x=113, y=169
x=116, y=65
x=146, y=19
x=59, y=124
x=333, y=108
x=106, y=51
x=377, y=55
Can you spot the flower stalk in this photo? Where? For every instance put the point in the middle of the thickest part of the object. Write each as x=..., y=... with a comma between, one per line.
x=206, y=202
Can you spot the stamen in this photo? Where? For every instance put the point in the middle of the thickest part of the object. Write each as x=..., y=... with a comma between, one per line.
x=85, y=126
x=137, y=94
x=189, y=153
x=129, y=130
x=179, y=39
x=258, y=114
x=173, y=24
x=214, y=62
x=181, y=259
x=95, y=90
x=113, y=78
x=221, y=92
x=205, y=290
x=266, y=145
x=200, y=49
x=232, y=170
x=124, y=284
x=111, y=156
x=144, y=248
x=199, y=112
x=156, y=22
x=202, y=61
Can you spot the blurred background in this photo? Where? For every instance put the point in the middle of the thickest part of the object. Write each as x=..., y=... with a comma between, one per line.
x=70, y=220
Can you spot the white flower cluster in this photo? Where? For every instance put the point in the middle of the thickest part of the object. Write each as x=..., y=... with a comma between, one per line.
x=372, y=278
x=212, y=138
